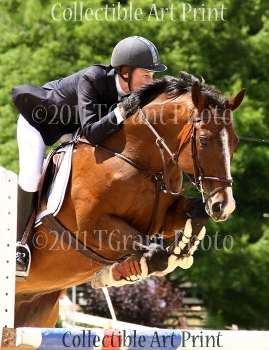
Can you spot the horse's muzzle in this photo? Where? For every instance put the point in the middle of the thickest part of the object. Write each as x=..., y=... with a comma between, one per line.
x=221, y=205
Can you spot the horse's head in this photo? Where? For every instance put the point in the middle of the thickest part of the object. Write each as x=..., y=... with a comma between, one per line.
x=175, y=109
x=213, y=143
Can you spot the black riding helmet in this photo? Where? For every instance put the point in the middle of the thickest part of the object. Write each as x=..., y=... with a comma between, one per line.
x=136, y=51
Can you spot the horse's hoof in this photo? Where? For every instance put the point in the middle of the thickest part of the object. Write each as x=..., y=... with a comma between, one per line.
x=101, y=278
x=119, y=274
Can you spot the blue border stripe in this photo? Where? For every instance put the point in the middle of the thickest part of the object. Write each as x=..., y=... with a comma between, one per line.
x=90, y=338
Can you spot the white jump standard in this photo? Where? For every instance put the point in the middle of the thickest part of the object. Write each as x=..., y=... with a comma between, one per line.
x=8, y=231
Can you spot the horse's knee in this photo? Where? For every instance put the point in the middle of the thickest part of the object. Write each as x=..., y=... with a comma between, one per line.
x=156, y=257
x=197, y=213
x=197, y=209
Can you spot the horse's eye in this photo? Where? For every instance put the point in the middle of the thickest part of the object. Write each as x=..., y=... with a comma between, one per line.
x=204, y=141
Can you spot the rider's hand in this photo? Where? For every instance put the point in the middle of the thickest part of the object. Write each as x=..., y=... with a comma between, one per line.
x=128, y=106
x=122, y=111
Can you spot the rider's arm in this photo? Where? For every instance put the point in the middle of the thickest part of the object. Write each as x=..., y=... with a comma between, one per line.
x=96, y=126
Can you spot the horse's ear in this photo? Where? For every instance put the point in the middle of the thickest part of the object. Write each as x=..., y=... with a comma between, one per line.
x=197, y=97
x=235, y=102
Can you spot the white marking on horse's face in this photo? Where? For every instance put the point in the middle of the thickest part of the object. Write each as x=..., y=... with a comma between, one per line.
x=224, y=136
x=225, y=151
x=222, y=200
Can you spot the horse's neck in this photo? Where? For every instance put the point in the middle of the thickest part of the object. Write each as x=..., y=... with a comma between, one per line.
x=169, y=118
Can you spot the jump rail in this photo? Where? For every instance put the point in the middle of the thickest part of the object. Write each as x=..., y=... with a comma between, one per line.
x=118, y=338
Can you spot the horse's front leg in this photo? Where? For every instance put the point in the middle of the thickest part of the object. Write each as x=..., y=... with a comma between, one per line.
x=185, y=212
x=123, y=240
x=188, y=214
x=183, y=209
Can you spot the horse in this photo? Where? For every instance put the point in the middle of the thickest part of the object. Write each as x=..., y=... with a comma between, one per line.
x=129, y=188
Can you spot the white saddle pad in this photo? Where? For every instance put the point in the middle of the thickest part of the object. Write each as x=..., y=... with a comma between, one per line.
x=58, y=187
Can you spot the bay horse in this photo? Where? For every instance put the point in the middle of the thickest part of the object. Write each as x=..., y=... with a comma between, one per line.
x=176, y=126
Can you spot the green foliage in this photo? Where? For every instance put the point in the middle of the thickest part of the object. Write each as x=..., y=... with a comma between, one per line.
x=38, y=45
x=236, y=282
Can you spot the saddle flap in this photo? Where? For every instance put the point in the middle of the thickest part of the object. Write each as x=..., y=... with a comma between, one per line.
x=54, y=180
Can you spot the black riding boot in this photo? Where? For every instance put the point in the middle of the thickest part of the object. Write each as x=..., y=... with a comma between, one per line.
x=25, y=207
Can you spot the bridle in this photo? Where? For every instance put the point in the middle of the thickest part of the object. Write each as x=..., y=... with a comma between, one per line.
x=162, y=177
x=198, y=177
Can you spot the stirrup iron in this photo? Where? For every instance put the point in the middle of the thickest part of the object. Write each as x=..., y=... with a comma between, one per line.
x=22, y=275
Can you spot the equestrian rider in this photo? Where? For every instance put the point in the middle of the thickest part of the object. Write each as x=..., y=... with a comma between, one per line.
x=88, y=100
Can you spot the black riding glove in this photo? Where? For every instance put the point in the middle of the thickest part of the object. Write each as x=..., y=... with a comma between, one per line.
x=130, y=105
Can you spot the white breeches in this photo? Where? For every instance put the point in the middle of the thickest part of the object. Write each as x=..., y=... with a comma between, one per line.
x=31, y=155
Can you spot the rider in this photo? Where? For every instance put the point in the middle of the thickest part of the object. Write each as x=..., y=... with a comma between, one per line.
x=87, y=99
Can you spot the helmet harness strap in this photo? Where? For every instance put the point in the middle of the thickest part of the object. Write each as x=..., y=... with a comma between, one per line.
x=129, y=78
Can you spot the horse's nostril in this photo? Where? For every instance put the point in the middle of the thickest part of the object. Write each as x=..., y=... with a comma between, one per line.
x=217, y=207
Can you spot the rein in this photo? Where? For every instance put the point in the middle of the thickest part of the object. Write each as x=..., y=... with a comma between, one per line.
x=158, y=176
x=174, y=157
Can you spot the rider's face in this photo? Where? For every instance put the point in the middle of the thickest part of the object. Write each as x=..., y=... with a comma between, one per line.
x=139, y=77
